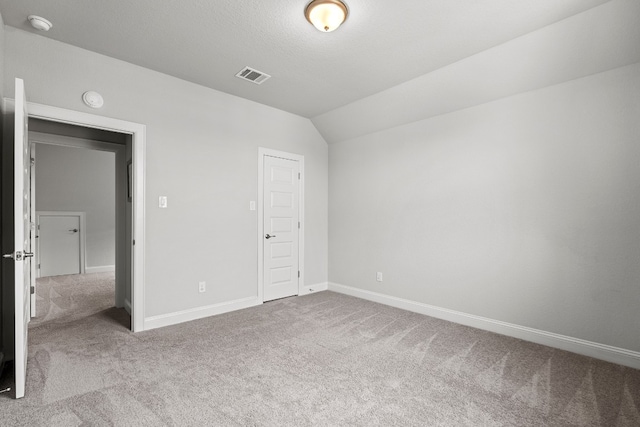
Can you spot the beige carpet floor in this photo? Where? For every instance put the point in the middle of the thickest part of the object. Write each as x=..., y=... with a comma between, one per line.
x=324, y=359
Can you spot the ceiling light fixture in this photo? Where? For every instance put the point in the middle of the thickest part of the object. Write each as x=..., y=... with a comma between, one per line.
x=39, y=23
x=326, y=15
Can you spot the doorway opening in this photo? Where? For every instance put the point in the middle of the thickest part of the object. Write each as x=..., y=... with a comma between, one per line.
x=130, y=178
x=80, y=205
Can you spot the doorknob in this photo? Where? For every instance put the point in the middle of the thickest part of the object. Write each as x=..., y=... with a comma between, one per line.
x=268, y=236
x=18, y=255
x=75, y=230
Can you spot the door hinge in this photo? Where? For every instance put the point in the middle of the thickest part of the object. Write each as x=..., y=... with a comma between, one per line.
x=33, y=290
x=298, y=175
x=39, y=266
x=298, y=224
x=33, y=161
x=298, y=274
x=134, y=242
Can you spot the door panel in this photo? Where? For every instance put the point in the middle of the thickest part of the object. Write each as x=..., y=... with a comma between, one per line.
x=22, y=247
x=281, y=216
x=281, y=250
x=281, y=225
x=59, y=245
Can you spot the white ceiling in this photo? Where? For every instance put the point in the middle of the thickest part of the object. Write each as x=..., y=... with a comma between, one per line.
x=382, y=43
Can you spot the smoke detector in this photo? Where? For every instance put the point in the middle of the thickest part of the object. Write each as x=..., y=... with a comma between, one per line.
x=93, y=99
x=39, y=23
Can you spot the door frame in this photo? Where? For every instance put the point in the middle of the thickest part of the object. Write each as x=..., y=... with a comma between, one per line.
x=138, y=152
x=267, y=152
x=83, y=236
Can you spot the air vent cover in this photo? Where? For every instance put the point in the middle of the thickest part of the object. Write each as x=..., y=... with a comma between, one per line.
x=252, y=75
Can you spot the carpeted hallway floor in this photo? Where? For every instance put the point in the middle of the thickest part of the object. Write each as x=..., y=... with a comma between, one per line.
x=324, y=359
x=62, y=299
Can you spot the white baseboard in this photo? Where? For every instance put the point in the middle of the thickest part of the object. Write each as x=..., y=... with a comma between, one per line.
x=608, y=353
x=127, y=306
x=100, y=269
x=154, y=322
x=309, y=289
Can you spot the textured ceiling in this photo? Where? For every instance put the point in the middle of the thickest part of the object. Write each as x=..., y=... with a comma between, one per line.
x=382, y=44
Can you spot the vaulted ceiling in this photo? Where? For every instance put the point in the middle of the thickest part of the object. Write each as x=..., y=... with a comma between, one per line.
x=382, y=43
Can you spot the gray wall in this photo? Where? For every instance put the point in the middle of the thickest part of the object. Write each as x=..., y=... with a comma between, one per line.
x=78, y=179
x=504, y=185
x=523, y=210
x=201, y=152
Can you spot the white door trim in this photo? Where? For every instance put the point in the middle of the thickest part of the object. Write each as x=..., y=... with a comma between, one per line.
x=83, y=234
x=138, y=136
x=262, y=152
x=73, y=142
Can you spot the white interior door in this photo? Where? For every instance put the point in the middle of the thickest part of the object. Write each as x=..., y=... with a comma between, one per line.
x=22, y=227
x=32, y=219
x=281, y=227
x=59, y=244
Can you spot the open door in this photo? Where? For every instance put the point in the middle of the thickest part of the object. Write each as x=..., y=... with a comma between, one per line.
x=22, y=229
x=32, y=217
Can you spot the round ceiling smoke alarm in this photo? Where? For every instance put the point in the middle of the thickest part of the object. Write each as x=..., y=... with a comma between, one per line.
x=93, y=99
x=39, y=23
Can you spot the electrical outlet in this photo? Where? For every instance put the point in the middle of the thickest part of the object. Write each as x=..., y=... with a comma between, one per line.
x=202, y=286
x=379, y=276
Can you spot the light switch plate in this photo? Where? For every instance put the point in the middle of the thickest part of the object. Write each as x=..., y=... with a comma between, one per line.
x=252, y=205
x=162, y=201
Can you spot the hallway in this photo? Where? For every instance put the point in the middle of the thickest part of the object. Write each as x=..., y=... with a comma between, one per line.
x=63, y=299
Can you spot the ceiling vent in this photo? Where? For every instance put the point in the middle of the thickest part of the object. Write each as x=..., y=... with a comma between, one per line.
x=252, y=75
